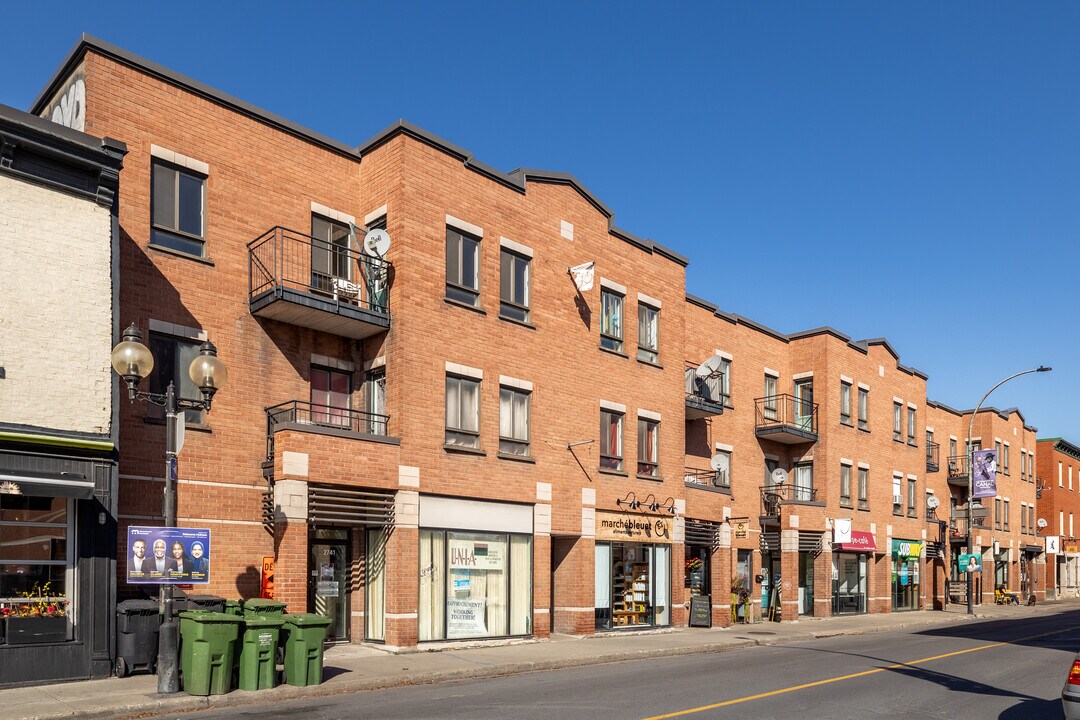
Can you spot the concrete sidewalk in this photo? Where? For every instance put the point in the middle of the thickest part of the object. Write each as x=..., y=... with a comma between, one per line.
x=349, y=668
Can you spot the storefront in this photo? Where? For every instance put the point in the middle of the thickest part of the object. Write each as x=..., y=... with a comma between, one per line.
x=476, y=569
x=849, y=570
x=1001, y=566
x=905, y=574
x=632, y=571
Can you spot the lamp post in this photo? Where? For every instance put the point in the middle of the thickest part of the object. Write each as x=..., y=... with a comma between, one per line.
x=133, y=361
x=971, y=472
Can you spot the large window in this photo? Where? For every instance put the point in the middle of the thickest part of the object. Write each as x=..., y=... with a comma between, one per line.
x=178, y=209
x=375, y=401
x=723, y=477
x=611, y=320
x=462, y=412
x=648, y=436
x=611, y=445
x=804, y=482
x=632, y=585
x=474, y=585
x=330, y=257
x=648, y=322
x=330, y=393
x=172, y=359
x=462, y=267
x=845, y=402
x=35, y=537
x=770, y=399
x=513, y=421
x=514, y=286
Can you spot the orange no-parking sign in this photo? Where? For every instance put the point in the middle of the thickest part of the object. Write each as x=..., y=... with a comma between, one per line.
x=267, y=578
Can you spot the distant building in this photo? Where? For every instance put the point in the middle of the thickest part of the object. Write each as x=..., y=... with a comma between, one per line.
x=1059, y=506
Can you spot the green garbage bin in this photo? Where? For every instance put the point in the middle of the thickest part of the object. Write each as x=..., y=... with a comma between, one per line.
x=258, y=652
x=305, y=633
x=207, y=651
x=263, y=607
x=234, y=607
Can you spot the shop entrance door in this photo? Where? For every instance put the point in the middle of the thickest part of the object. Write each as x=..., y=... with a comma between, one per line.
x=328, y=579
x=806, y=583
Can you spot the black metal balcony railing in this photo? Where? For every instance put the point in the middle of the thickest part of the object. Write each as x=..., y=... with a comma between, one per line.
x=958, y=469
x=786, y=418
x=707, y=480
x=295, y=278
x=774, y=496
x=704, y=396
x=933, y=449
x=298, y=413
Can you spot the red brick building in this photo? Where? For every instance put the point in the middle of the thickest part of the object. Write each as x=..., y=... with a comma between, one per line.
x=1058, y=504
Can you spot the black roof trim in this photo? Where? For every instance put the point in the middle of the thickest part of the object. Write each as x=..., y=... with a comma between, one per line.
x=701, y=302
x=1063, y=446
x=943, y=406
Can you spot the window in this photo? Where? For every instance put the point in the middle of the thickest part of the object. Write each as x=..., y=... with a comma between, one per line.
x=723, y=477
x=769, y=406
x=911, y=426
x=896, y=422
x=725, y=380
x=330, y=393
x=462, y=412
x=911, y=509
x=864, y=408
x=330, y=257
x=514, y=421
x=178, y=209
x=845, y=402
x=611, y=450
x=648, y=324
x=514, y=286
x=648, y=438
x=845, y=485
x=35, y=537
x=172, y=358
x=804, y=405
x=897, y=497
x=1005, y=515
x=1023, y=466
x=997, y=454
x=1005, y=458
x=462, y=267
x=804, y=482
x=375, y=401
x=611, y=320
x=1023, y=519
x=864, y=488
x=952, y=448
x=770, y=467
x=997, y=514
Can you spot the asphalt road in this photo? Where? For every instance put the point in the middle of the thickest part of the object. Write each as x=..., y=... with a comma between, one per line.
x=1007, y=669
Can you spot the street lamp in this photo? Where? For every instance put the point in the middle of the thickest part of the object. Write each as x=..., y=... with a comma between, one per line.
x=133, y=361
x=971, y=471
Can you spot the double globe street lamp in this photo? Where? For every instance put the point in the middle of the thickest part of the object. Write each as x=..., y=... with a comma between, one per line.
x=133, y=361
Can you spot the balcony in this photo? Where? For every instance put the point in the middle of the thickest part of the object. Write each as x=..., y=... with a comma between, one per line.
x=773, y=497
x=704, y=396
x=933, y=450
x=300, y=280
x=958, y=528
x=786, y=419
x=710, y=480
x=958, y=470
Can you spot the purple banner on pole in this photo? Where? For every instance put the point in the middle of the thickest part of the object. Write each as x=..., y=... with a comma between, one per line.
x=984, y=473
x=168, y=555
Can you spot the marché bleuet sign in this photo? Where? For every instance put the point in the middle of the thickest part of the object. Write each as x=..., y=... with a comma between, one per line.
x=632, y=527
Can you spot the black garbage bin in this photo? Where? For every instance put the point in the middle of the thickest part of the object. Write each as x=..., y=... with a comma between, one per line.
x=212, y=603
x=137, y=625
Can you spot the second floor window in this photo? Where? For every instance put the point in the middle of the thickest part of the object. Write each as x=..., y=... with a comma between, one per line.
x=845, y=485
x=172, y=358
x=177, y=209
x=864, y=409
x=611, y=320
x=375, y=401
x=864, y=489
x=1005, y=515
x=648, y=333
x=330, y=257
x=514, y=286
x=845, y=403
x=648, y=436
x=513, y=421
x=462, y=267
x=897, y=497
x=330, y=392
x=804, y=482
x=997, y=514
x=611, y=446
x=911, y=496
x=462, y=412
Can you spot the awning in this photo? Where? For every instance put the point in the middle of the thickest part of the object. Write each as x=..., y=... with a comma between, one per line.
x=46, y=484
x=1033, y=549
x=860, y=542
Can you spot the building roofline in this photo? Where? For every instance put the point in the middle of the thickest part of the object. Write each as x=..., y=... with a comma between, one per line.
x=1063, y=446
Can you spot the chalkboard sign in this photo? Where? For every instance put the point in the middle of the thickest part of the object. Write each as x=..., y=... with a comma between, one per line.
x=701, y=611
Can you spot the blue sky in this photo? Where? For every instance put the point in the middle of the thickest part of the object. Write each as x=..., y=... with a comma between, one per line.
x=897, y=170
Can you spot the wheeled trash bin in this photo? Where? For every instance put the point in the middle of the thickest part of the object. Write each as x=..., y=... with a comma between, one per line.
x=304, y=636
x=137, y=625
x=208, y=651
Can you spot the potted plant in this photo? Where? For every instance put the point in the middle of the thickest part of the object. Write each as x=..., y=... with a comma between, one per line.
x=695, y=575
x=38, y=617
x=740, y=595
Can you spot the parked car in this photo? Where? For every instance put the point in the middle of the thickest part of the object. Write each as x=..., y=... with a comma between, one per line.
x=1070, y=694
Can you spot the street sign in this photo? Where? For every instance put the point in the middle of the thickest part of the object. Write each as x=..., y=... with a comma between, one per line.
x=180, y=425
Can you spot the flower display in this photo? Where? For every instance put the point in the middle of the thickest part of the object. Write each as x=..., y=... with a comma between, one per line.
x=693, y=564
x=38, y=602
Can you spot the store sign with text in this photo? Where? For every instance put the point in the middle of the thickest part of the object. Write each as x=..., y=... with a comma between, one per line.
x=476, y=554
x=465, y=618
x=632, y=527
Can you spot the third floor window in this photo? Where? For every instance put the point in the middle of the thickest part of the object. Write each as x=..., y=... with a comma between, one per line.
x=462, y=267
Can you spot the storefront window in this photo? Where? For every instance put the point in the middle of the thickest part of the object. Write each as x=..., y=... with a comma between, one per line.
x=697, y=569
x=633, y=585
x=35, y=533
x=849, y=583
x=474, y=585
x=905, y=574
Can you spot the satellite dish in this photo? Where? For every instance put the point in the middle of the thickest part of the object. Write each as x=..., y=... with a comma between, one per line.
x=720, y=462
x=376, y=243
x=779, y=476
x=710, y=368
x=1041, y=523
x=932, y=501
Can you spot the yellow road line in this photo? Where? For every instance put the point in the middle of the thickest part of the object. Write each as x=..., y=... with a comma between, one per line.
x=852, y=676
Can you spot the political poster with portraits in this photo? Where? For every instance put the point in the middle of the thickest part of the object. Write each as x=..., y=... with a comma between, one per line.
x=168, y=555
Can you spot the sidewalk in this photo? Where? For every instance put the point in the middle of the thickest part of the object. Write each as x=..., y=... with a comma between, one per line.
x=349, y=668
